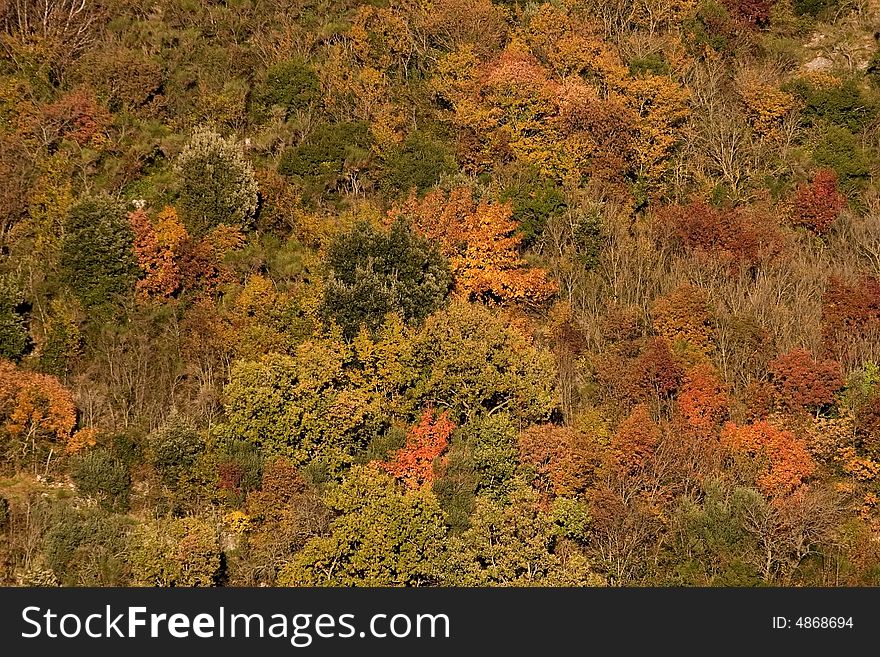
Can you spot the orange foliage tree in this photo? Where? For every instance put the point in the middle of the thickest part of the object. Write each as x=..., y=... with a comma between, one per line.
x=684, y=319
x=157, y=243
x=783, y=458
x=636, y=439
x=171, y=261
x=481, y=243
x=703, y=403
x=414, y=462
x=35, y=410
x=564, y=458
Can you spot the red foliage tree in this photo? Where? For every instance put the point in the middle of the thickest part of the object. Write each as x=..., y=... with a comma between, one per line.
x=752, y=12
x=414, y=462
x=850, y=313
x=732, y=236
x=76, y=116
x=804, y=382
x=868, y=423
x=657, y=370
x=819, y=204
x=784, y=459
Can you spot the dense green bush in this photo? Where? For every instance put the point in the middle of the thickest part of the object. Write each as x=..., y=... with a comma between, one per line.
x=97, y=473
x=847, y=105
x=291, y=85
x=373, y=273
x=841, y=151
x=332, y=152
x=181, y=552
x=417, y=164
x=534, y=198
x=174, y=449
x=86, y=547
x=97, y=262
x=216, y=184
x=812, y=7
x=13, y=330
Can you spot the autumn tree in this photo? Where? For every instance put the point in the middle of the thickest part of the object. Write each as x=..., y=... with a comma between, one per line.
x=635, y=440
x=782, y=460
x=413, y=464
x=703, y=403
x=157, y=242
x=564, y=459
x=480, y=241
x=850, y=314
x=178, y=552
x=818, y=205
x=802, y=382
x=38, y=415
x=735, y=237
x=281, y=516
x=515, y=545
x=471, y=361
x=683, y=317
x=381, y=537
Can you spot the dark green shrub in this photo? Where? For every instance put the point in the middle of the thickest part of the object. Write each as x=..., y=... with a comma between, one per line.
x=291, y=85
x=534, y=198
x=97, y=262
x=846, y=106
x=13, y=331
x=456, y=487
x=417, y=164
x=841, y=151
x=373, y=273
x=653, y=63
x=812, y=7
x=174, y=449
x=128, y=447
x=382, y=446
x=97, y=473
x=873, y=70
x=86, y=547
x=331, y=152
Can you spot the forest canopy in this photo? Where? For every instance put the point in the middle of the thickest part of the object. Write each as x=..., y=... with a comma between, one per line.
x=404, y=293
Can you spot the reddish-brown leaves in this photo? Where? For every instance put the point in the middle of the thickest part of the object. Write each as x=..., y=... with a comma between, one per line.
x=732, y=236
x=819, y=204
x=804, y=382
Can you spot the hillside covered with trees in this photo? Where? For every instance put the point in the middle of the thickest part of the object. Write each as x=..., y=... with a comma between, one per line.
x=439, y=292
